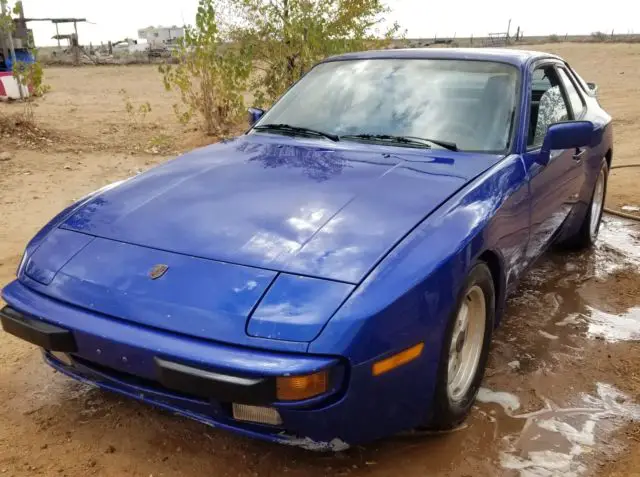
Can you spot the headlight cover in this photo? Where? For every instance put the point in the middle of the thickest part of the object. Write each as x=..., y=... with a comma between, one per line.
x=56, y=250
x=297, y=308
x=52, y=225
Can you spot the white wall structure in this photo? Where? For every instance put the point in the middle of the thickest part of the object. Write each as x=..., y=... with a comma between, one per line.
x=9, y=88
x=159, y=37
x=131, y=46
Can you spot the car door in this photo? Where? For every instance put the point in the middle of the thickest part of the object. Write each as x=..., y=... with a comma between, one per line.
x=555, y=179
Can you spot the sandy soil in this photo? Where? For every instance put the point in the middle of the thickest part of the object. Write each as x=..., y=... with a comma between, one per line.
x=566, y=355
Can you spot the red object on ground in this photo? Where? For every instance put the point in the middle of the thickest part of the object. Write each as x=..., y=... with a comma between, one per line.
x=3, y=91
x=9, y=88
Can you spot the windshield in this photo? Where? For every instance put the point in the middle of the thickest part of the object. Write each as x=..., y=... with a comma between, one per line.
x=468, y=103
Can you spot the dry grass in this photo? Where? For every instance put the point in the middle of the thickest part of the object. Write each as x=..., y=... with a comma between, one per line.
x=21, y=128
x=15, y=123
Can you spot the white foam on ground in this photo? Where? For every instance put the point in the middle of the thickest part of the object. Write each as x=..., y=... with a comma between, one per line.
x=508, y=401
x=549, y=336
x=625, y=327
x=335, y=445
x=607, y=402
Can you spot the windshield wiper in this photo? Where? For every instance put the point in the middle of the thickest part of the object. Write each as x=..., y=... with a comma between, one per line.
x=297, y=129
x=414, y=140
x=451, y=146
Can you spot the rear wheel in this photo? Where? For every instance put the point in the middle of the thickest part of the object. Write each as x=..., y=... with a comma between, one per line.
x=588, y=232
x=465, y=350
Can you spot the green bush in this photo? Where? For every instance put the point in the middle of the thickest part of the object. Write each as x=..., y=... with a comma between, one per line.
x=286, y=37
x=209, y=78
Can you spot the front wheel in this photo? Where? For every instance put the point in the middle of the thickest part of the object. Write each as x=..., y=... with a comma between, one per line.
x=465, y=350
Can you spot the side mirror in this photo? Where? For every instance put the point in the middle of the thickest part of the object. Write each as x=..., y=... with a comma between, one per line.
x=254, y=115
x=567, y=135
x=593, y=88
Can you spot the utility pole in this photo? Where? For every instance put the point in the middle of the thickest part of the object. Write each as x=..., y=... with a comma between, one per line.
x=76, y=49
x=12, y=50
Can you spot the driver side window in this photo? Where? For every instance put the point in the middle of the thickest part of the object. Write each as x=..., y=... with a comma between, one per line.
x=548, y=104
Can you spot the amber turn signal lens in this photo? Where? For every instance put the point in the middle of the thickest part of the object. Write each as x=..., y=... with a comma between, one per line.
x=297, y=388
x=396, y=360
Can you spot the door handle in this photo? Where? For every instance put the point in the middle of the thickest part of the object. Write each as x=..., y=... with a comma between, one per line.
x=579, y=154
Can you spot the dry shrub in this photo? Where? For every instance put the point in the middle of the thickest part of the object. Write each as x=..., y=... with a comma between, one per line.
x=599, y=36
x=22, y=129
x=17, y=123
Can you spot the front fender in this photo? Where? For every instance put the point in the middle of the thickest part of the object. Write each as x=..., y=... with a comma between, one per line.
x=409, y=296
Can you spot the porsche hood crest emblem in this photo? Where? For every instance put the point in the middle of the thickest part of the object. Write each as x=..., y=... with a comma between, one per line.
x=158, y=270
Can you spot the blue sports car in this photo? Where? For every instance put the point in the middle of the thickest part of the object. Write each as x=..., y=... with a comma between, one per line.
x=333, y=275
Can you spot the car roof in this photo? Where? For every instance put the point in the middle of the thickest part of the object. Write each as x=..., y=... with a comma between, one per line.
x=502, y=55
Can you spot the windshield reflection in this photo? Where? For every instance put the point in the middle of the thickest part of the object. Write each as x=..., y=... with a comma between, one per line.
x=469, y=103
x=318, y=164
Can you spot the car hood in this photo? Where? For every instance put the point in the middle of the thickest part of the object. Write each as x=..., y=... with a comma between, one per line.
x=306, y=207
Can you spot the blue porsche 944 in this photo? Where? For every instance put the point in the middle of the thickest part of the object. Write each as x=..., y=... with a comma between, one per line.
x=333, y=275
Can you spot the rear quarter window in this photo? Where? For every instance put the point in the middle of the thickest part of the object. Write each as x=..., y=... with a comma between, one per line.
x=582, y=83
x=577, y=103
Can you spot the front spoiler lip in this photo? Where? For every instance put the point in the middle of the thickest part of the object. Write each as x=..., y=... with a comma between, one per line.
x=156, y=399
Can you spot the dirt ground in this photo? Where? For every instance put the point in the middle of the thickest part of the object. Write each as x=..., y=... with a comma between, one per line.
x=562, y=392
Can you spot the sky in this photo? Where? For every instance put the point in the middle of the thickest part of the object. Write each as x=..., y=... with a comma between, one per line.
x=117, y=19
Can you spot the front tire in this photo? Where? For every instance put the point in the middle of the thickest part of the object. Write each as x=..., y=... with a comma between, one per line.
x=465, y=350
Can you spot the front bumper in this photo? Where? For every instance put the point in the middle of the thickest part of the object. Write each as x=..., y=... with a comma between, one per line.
x=210, y=413
x=124, y=357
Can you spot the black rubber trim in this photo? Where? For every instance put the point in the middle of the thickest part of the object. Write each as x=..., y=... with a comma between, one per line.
x=45, y=335
x=211, y=385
